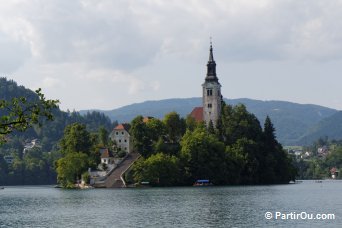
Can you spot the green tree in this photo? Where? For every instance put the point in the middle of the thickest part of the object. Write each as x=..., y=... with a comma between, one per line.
x=19, y=114
x=235, y=163
x=70, y=168
x=175, y=127
x=269, y=132
x=203, y=156
x=166, y=147
x=238, y=123
x=76, y=139
x=155, y=129
x=103, y=136
x=315, y=170
x=159, y=169
x=142, y=142
x=334, y=158
x=275, y=164
x=268, y=162
x=3, y=170
x=17, y=171
x=190, y=123
x=78, y=151
x=248, y=150
x=35, y=167
x=211, y=128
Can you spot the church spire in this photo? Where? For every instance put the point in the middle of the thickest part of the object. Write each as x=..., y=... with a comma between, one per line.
x=211, y=92
x=211, y=56
x=211, y=66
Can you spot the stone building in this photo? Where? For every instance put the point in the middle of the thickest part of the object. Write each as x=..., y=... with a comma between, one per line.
x=211, y=95
x=122, y=138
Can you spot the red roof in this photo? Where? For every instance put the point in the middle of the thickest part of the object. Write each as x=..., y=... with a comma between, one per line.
x=147, y=118
x=123, y=127
x=106, y=154
x=197, y=114
x=333, y=170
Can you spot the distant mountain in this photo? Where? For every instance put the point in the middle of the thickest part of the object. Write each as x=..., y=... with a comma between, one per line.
x=330, y=127
x=292, y=121
x=152, y=108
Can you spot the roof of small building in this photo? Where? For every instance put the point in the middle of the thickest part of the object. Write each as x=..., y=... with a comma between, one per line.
x=102, y=150
x=106, y=154
x=197, y=114
x=124, y=126
x=147, y=118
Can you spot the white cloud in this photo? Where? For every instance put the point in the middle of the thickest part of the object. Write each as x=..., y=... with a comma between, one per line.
x=129, y=34
x=99, y=48
x=135, y=86
x=155, y=85
x=50, y=82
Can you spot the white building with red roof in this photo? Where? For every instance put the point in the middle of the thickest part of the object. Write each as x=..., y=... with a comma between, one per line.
x=107, y=157
x=121, y=136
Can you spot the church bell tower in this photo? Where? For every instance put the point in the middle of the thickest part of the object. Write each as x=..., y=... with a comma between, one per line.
x=211, y=92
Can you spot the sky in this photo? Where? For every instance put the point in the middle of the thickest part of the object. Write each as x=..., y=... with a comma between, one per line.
x=107, y=54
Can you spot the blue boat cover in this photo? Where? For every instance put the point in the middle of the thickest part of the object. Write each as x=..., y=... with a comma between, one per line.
x=202, y=181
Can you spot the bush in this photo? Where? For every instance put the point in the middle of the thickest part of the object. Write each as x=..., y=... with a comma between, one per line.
x=159, y=169
x=86, y=177
x=104, y=166
x=122, y=154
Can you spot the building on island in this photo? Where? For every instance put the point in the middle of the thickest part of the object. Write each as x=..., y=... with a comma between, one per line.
x=211, y=95
x=121, y=136
x=197, y=114
x=107, y=156
x=209, y=112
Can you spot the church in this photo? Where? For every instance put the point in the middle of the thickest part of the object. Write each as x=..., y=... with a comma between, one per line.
x=211, y=95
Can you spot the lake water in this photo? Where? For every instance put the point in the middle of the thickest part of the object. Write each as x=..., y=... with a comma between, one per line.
x=240, y=206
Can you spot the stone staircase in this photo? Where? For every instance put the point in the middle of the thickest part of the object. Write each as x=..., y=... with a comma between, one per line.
x=115, y=180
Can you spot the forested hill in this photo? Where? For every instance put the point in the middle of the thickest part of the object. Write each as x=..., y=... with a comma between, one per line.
x=50, y=132
x=292, y=121
x=330, y=127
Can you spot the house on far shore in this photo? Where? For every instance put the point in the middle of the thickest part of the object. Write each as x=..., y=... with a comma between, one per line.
x=9, y=159
x=334, y=173
x=35, y=143
x=121, y=136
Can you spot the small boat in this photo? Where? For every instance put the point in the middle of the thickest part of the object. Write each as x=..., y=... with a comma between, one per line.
x=2, y=188
x=143, y=184
x=200, y=183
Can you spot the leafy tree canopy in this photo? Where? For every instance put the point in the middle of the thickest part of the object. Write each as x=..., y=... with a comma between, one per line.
x=20, y=113
x=70, y=168
x=76, y=139
x=159, y=169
